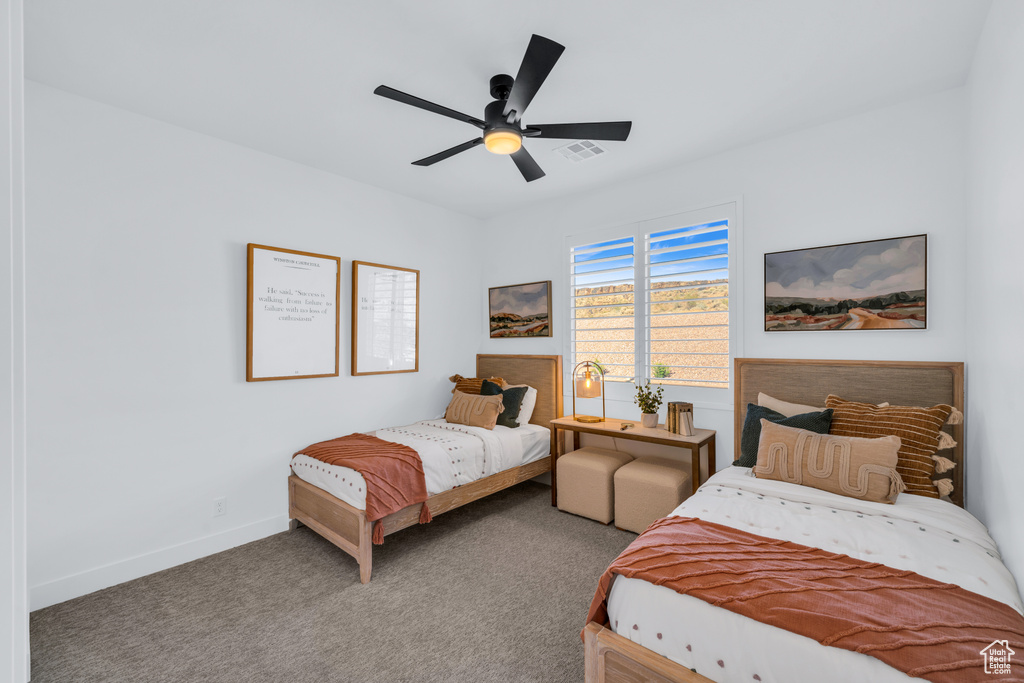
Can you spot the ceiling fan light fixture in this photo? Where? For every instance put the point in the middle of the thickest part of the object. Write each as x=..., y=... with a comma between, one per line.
x=503, y=141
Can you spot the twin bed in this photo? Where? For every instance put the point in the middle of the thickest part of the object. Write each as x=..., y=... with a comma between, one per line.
x=461, y=463
x=653, y=633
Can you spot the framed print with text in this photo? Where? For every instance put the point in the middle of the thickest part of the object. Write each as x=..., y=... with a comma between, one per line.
x=292, y=315
x=385, y=319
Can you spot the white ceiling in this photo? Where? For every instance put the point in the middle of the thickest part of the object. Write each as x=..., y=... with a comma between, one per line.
x=295, y=78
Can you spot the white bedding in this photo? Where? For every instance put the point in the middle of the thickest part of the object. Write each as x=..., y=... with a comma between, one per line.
x=452, y=455
x=931, y=537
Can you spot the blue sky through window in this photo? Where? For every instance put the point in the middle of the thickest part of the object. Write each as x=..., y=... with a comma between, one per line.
x=689, y=228
x=696, y=252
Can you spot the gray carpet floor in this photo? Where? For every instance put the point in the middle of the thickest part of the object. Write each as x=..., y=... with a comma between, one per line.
x=497, y=590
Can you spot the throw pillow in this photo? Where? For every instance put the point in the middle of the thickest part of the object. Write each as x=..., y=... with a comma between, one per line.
x=815, y=422
x=864, y=469
x=919, y=430
x=529, y=405
x=785, y=407
x=471, y=385
x=512, y=398
x=789, y=409
x=473, y=410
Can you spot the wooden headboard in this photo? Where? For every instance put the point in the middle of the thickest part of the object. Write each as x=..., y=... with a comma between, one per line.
x=543, y=373
x=906, y=383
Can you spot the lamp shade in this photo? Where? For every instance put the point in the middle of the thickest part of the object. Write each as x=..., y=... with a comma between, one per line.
x=588, y=386
x=502, y=141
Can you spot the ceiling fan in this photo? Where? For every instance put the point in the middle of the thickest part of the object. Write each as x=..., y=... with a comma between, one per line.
x=502, y=127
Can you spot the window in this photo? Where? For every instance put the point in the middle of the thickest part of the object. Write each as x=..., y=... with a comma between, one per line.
x=651, y=300
x=603, y=307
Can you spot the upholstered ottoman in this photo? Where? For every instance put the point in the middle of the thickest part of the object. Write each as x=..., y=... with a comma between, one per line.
x=647, y=489
x=585, y=478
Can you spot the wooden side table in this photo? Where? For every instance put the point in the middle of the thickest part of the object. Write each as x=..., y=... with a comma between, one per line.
x=613, y=428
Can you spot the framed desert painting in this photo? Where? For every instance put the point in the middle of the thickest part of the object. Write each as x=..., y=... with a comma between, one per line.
x=520, y=310
x=879, y=284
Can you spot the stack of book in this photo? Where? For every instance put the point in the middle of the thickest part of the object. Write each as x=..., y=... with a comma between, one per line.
x=680, y=418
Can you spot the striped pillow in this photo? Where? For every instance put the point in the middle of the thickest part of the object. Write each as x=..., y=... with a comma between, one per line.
x=919, y=429
x=472, y=385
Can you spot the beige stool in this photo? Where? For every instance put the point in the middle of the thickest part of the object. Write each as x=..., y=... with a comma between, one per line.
x=648, y=489
x=585, y=481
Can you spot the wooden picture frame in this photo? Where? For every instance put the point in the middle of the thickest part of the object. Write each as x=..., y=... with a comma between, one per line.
x=519, y=310
x=292, y=316
x=869, y=285
x=385, y=319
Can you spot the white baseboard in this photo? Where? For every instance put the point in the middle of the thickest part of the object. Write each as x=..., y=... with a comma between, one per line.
x=112, y=574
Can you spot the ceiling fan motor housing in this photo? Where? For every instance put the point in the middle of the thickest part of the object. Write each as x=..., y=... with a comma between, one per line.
x=501, y=86
x=494, y=118
x=500, y=136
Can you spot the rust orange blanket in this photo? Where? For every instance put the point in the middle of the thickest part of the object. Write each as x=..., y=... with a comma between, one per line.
x=393, y=474
x=920, y=626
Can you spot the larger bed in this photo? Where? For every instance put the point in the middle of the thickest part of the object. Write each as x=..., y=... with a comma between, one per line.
x=461, y=463
x=654, y=633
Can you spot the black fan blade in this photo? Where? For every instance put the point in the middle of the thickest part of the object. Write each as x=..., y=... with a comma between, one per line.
x=541, y=55
x=612, y=130
x=527, y=166
x=441, y=156
x=406, y=98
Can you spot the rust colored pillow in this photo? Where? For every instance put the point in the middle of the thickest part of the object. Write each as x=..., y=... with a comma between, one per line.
x=919, y=430
x=472, y=385
x=864, y=469
x=474, y=410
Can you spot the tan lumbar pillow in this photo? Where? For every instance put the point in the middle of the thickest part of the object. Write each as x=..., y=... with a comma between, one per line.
x=849, y=466
x=474, y=410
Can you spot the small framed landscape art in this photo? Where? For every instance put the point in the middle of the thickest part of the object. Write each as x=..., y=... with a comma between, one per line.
x=873, y=285
x=292, y=314
x=520, y=310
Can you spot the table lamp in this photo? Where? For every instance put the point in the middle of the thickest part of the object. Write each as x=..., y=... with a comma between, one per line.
x=588, y=384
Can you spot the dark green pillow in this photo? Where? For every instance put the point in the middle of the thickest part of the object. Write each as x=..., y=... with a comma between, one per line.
x=512, y=398
x=812, y=422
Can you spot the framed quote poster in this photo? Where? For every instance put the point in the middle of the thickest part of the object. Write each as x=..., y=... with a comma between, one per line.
x=385, y=319
x=872, y=285
x=292, y=316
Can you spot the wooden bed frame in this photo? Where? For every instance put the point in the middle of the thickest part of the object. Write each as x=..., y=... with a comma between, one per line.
x=611, y=658
x=348, y=528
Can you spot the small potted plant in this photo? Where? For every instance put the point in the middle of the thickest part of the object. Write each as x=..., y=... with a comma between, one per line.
x=649, y=401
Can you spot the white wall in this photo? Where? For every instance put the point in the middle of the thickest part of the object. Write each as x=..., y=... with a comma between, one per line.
x=138, y=233
x=995, y=280
x=890, y=172
x=139, y=411
x=14, y=655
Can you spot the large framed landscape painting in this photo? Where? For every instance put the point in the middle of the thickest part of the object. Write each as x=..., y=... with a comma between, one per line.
x=520, y=310
x=879, y=284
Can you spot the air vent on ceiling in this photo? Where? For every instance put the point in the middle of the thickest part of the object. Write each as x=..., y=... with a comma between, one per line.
x=581, y=150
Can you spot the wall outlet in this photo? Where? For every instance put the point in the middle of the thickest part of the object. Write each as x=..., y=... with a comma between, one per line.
x=220, y=506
